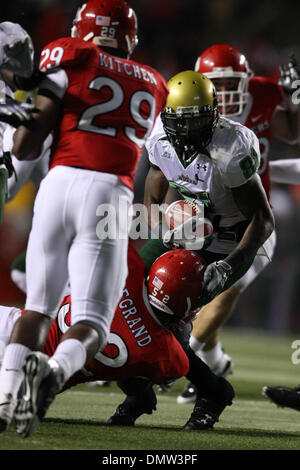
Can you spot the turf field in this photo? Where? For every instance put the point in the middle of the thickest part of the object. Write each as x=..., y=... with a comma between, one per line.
x=76, y=420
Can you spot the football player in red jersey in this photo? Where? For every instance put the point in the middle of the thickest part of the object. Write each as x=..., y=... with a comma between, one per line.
x=148, y=340
x=268, y=110
x=100, y=106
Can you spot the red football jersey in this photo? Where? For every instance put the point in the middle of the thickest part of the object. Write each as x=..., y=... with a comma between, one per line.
x=138, y=345
x=265, y=95
x=109, y=105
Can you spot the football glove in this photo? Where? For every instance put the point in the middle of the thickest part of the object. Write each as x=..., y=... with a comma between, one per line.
x=17, y=47
x=184, y=236
x=15, y=113
x=215, y=277
x=288, y=74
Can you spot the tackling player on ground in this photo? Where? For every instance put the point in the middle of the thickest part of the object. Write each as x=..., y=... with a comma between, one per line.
x=148, y=341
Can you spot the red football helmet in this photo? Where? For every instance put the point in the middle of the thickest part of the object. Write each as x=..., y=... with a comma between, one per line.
x=110, y=23
x=222, y=61
x=175, y=283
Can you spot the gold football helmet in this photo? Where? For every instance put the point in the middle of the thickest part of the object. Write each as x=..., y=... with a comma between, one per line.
x=191, y=112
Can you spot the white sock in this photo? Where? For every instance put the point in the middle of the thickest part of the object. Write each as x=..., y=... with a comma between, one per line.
x=11, y=374
x=195, y=344
x=70, y=355
x=212, y=356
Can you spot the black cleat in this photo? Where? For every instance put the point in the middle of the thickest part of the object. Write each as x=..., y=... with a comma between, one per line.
x=133, y=407
x=207, y=412
x=283, y=397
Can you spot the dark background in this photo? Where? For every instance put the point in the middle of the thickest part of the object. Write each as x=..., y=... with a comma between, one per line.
x=172, y=33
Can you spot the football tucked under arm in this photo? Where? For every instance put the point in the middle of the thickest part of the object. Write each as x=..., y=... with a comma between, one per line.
x=188, y=228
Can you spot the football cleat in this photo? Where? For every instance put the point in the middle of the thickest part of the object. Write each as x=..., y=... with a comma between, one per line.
x=7, y=408
x=206, y=412
x=283, y=397
x=43, y=379
x=188, y=395
x=133, y=407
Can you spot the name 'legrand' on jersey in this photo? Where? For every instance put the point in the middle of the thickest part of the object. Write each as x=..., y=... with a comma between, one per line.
x=133, y=320
x=233, y=157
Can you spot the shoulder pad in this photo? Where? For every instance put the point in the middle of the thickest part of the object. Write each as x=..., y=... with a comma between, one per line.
x=66, y=53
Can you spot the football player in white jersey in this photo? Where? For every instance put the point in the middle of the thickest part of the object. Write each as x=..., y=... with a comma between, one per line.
x=16, y=57
x=213, y=161
x=17, y=71
x=268, y=109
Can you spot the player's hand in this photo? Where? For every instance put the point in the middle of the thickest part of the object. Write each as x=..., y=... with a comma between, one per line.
x=18, y=50
x=288, y=73
x=16, y=113
x=215, y=277
x=185, y=235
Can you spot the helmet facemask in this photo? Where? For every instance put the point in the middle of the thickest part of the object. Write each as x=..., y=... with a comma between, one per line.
x=231, y=101
x=220, y=62
x=191, y=114
x=189, y=129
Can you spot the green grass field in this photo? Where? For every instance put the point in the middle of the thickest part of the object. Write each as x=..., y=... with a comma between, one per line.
x=76, y=420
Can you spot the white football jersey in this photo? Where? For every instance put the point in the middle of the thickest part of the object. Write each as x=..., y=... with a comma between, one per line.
x=32, y=170
x=233, y=159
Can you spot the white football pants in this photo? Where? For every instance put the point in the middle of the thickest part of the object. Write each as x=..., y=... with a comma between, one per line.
x=68, y=242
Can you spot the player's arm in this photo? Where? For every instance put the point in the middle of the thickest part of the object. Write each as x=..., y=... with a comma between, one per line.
x=252, y=202
x=28, y=140
x=285, y=122
x=156, y=188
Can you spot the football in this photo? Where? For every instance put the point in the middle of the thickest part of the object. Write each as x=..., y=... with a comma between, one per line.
x=180, y=211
